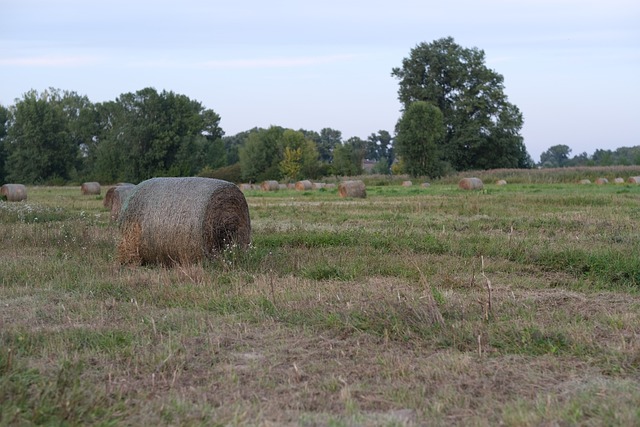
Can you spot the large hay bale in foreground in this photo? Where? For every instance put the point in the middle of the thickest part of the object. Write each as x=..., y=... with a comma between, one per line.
x=13, y=192
x=90, y=188
x=471, y=184
x=118, y=197
x=304, y=185
x=270, y=186
x=352, y=189
x=634, y=180
x=182, y=220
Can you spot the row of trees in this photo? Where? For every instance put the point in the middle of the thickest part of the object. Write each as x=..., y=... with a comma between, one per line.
x=558, y=156
x=455, y=116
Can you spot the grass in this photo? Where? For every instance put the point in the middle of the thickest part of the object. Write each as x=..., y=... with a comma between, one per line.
x=515, y=305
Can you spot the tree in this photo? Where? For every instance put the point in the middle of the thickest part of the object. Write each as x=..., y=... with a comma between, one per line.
x=419, y=133
x=482, y=129
x=556, y=156
x=329, y=139
x=38, y=143
x=5, y=117
x=348, y=157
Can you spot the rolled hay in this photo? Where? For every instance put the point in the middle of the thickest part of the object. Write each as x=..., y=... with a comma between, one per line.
x=90, y=188
x=602, y=181
x=425, y=185
x=108, y=196
x=304, y=185
x=501, y=182
x=270, y=186
x=619, y=180
x=182, y=220
x=318, y=185
x=585, y=181
x=634, y=180
x=407, y=183
x=282, y=186
x=352, y=189
x=13, y=192
x=245, y=187
x=471, y=184
x=118, y=197
x=330, y=186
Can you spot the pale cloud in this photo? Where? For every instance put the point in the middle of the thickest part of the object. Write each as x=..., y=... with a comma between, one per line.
x=42, y=61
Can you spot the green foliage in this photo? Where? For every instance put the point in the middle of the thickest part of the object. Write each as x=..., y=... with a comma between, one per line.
x=420, y=132
x=231, y=173
x=556, y=156
x=483, y=128
x=5, y=116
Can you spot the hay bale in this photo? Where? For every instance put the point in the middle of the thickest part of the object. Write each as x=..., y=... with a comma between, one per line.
x=13, y=192
x=407, y=183
x=585, y=181
x=634, y=180
x=90, y=188
x=270, y=186
x=471, y=184
x=282, y=186
x=602, y=181
x=318, y=185
x=501, y=182
x=619, y=180
x=304, y=185
x=244, y=187
x=330, y=186
x=352, y=189
x=118, y=197
x=425, y=185
x=108, y=197
x=182, y=220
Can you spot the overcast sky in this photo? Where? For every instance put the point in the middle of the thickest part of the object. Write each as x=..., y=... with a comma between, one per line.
x=571, y=66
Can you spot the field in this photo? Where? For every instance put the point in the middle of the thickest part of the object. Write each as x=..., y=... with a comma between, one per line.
x=516, y=305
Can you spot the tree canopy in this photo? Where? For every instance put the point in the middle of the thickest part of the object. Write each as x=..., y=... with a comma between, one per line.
x=482, y=129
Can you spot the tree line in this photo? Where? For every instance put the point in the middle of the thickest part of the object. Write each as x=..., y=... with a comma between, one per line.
x=455, y=116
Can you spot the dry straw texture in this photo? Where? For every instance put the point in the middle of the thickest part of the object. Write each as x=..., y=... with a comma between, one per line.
x=319, y=185
x=304, y=185
x=270, y=186
x=407, y=183
x=90, y=188
x=619, y=180
x=13, y=192
x=425, y=185
x=602, y=181
x=352, y=189
x=118, y=197
x=108, y=197
x=585, y=181
x=501, y=182
x=634, y=180
x=471, y=184
x=182, y=220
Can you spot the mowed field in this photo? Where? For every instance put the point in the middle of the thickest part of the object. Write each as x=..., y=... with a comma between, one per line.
x=515, y=305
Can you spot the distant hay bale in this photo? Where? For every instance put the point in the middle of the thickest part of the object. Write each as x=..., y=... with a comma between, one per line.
x=13, y=192
x=291, y=186
x=425, y=185
x=634, y=180
x=330, y=186
x=501, y=182
x=585, y=181
x=282, y=186
x=270, y=186
x=90, y=188
x=352, y=189
x=471, y=184
x=108, y=197
x=304, y=185
x=619, y=180
x=244, y=187
x=407, y=183
x=602, y=181
x=182, y=220
x=318, y=185
x=118, y=197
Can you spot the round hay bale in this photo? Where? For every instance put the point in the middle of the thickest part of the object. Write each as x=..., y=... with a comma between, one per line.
x=501, y=182
x=352, y=189
x=318, y=185
x=425, y=185
x=619, y=180
x=118, y=197
x=182, y=220
x=270, y=186
x=304, y=185
x=634, y=180
x=13, y=192
x=90, y=188
x=602, y=181
x=585, y=181
x=244, y=187
x=108, y=197
x=407, y=183
x=471, y=184
x=330, y=186
x=282, y=186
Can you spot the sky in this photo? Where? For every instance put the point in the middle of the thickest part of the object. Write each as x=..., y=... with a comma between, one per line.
x=571, y=66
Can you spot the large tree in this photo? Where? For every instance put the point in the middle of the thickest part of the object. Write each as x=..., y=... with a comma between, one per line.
x=555, y=156
x=420, y=131
x=482, y=129
x=5, y=117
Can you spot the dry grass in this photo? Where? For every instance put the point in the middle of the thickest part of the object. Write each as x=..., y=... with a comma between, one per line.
x=507, y=307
